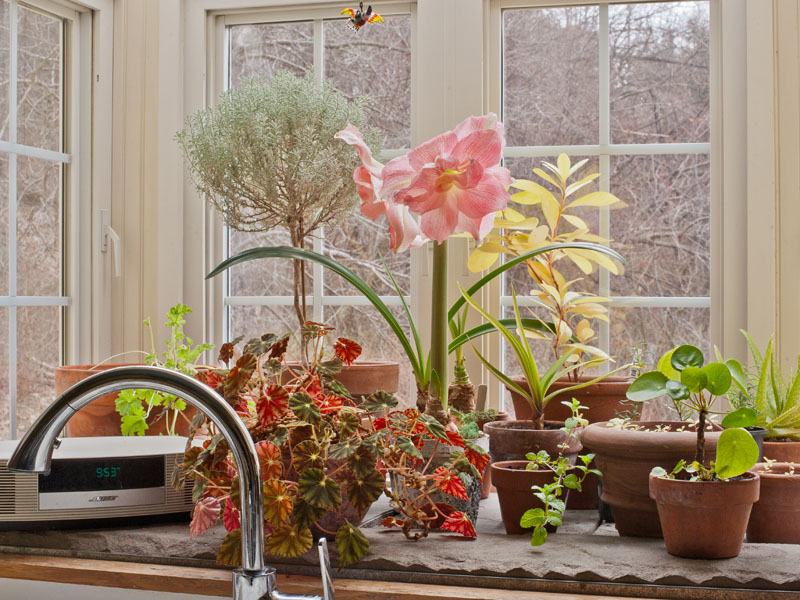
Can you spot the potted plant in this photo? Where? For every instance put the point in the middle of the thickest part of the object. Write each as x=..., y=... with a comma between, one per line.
x=775, y=518
x=703, y=506
x=319, y=452
x=626, y=451
x=533, y=493
x=138, y=412
x=264, y=156
x=513, y=440
x=566, y=314
x=775, y=399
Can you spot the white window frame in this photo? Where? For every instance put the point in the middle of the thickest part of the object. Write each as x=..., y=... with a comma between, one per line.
x=83, y=57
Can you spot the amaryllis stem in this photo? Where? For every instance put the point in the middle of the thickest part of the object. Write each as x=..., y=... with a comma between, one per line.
x=439, y=322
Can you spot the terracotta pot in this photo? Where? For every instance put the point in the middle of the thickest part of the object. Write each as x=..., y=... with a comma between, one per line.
x=604, y=399
x=782, y=451
x=513, y=483
x=626, y=458
x=365, y=377
x=100, y=418
x=512, y=440
x=776, y=516
x=704, y=519
x=501, y=416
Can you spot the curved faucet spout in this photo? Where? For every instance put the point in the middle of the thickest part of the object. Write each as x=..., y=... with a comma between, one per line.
x=34, y=452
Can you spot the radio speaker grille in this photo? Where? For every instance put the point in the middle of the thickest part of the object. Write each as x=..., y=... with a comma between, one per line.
x=6, y=490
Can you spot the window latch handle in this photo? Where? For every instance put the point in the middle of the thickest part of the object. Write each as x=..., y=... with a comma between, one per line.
x=107, y=233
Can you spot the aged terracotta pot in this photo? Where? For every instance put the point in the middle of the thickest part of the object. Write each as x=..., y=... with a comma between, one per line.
x=605, y=400
x=704, y=519
x=512, y=440
x=776, y=516
x=501, y=416
x=365, y=377
x=100, y=418
x=514, y=493
x=626, y=458
x=782, y=451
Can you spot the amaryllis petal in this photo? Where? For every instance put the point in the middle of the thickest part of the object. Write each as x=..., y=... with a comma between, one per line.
x=427, y=152
x=485, y=147
x=441, y=223
x=459, y=523
x=351, y=135
x=403, y=229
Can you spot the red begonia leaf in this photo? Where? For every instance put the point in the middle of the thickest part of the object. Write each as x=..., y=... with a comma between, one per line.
x=459, y=523
x=450, y=483
x=272, y=405
x=347, y=350
x=277, y=502
x=391, y=522
x=455, y=438
x=230, y=517
x=477, y=457
x=269, y=455
x=206, y=513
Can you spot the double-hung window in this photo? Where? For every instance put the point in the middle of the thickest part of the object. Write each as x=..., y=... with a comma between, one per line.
x=374, y=62
x=625, y=85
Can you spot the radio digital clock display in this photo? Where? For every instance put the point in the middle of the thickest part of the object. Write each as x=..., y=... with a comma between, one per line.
x=100, y=474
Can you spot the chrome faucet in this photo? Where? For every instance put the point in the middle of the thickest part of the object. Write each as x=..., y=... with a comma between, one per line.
x=254, y=580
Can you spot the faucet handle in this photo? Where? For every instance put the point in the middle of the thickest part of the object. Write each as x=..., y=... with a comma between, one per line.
x=325, y=568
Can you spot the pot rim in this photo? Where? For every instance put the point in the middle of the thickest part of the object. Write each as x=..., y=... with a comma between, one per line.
x=749, y=477
x=758, y=468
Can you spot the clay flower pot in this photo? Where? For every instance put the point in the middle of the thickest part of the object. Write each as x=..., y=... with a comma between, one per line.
x=704, y=519
x=626, y=458
x=100, y=418
x=500, y=416
x=605, y=400
x=788, y=452
x=513, y=483
x=363, y=377
x=512, y=440
x=776, y=516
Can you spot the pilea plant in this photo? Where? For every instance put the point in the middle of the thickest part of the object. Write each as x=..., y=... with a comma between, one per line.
x=136, y=406
x=565, y=475
x=694, y=386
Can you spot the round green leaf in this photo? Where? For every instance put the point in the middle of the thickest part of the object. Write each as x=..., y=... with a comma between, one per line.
x=686, y=356
x=677, y=391
x=737, y=452
x=532, y=517
x=647, y=386
x=665, y=366
x=694, y=379
x=742, y=417
x=719, y=378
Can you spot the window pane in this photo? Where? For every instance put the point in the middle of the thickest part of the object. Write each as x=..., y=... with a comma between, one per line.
x=550, y=75
x=659, y=72
x=38, y=227
x=359, y=243
x=39, y=97
x=4, y=16
x=376, y=63
x=271, y=47
x=255, y=321
x=267, y=277
x=38, y=354
x=522, y=168
x=363, y=324
x=664, y=230
x=5, y=422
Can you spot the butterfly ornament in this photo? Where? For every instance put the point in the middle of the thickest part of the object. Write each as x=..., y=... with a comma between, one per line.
x=360, y=17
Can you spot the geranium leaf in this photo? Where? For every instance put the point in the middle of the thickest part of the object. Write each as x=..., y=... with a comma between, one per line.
x=307, y=455
x=319, y=490
x=230, y=550
x=352, y=544
x=277, y=502
x=407, y=446
x=205, y=514
x=230, y=517
x=363, y=491
x=378, y=402
x=344, y=449
x=289, y=541
x=269, y=455
x=304, y=407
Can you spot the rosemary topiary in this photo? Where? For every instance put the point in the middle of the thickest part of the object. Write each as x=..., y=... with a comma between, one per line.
x=265, y=156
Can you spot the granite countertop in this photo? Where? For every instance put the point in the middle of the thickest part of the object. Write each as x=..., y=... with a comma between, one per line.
x=582, y=556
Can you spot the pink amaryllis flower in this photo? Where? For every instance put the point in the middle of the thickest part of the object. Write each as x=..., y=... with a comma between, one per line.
x=375, y=200
x=454, y=181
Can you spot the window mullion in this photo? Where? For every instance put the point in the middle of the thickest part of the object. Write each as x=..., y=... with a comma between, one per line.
x=13, y=54
x=604, y=96
x=318, y=274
